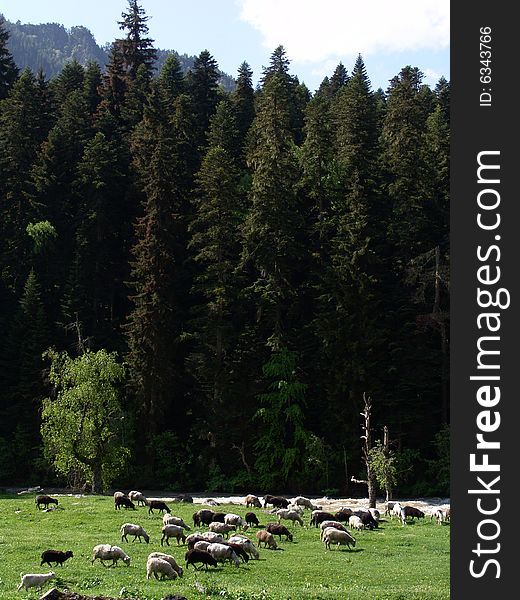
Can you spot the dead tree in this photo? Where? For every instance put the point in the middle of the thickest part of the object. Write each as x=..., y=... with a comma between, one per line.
x=370, y=481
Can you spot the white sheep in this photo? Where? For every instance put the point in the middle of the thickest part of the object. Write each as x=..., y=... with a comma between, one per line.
x=222, y=528
x=174, y=531
x=221, y=552
x=179, y=570
x=302, y=501
x=169, y=519
x=398, y=511
x=333, y=535
x=35, y=580
x=355, y=522
x=335, y=524
x=138, y=497
x=159, y=566
x=136, y=530
x=236, y=520
x=201, y=545
x=290, y=515
x=247, y=544
x=108, y=552
x=212, y=537
x=296, y=508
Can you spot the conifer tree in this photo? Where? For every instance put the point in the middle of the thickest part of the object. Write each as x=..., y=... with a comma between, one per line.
x=243, y=98
x=171, y=78
x=137, y=49
x=8, y=69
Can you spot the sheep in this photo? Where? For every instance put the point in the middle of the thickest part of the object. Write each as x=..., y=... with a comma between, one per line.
x=247, y=544
x=447, y=514
x=335, y=524
x=411, y=511
x=157, y=505
x=108, y=552
x=45, y=501
x=318, y=516
x=331, y=534
x=289, y=515
x=267, y=539
x=179, y=570
x=295, y=508
x=204, y=516
x=136, y=530
x=203, y=557
x=388, y=508
x=235, y=520
x=212, y=536
x=239, y=550
x=124, y=501
x=251, y=519
x=175, y=531
x=169, y=519
x=201, y=545
x=222, y=528
x=439, y=515
x=159, y=566
x=55, y=556
x=119, y=495
x=222, y=552
x=305, y=502
x=397, y=511
x=277, y=501
x=219, y=517
x=138, y=497
x=366, y=518
x=252, y=500
x=279, y=530
x=35, y=580
x=375, y=513
x=343, y=515
x=355, y=522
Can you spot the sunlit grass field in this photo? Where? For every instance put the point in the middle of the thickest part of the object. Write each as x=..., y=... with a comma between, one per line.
x=389, y=563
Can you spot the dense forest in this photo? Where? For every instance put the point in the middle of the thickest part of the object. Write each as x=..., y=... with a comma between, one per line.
x=254, y=262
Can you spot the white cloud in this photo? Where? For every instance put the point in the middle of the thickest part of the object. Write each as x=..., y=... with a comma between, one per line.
x=431, y=76
x=313, y=31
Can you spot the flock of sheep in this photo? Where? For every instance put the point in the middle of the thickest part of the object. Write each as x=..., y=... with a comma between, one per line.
x=225, y=538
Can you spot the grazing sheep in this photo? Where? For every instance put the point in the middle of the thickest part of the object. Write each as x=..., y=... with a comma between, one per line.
x=247, y=544
x=136, y=530
x=219, y=517
x=169, y=519
x=279, y=530
x=159, y=566
x=289, y=515
x=193, y=538
x=305, y=502
x=251, y=519
x=174, y=531
x=336, y=536
x=157, y=505
x=124, y=501
x=318, y=516
x=266, y=538
x=223, y=552
x=35, y=580
x=335, y=524
x=388, y=508
x=397, y=511
x=211, y=502
x=221, y=528
x=108, y=552
x=252, y=500
x=366, y=518
x=179, y=570
x=276, y=501
x=296, y=508
x=414, y=513
x=45, y=501
x=204, y=516
x=239, y=550
x=119, y=495
x=201, y=545
x=138, y=497
x=439, y=515
x=55, y=556
x=203, y=557
x=375, y=513
x=343, y=515
x=236, y=521
x=355, y=523
x=211, y=536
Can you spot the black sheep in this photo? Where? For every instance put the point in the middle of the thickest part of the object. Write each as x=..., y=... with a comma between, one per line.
x=276, y=501
x=199, y=556
x=366, y=518
x=411, y=511
x=55, y=556
x=343, y=515
x=204, y=516
x=251, y=519
x=157, y=505
x=318, y=516
x=124, y=501
x=218, y=517
x=279, y=530
x=239, y=551
x=45, y=501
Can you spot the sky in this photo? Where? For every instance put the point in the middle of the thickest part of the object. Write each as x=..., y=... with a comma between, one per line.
x=317, y=34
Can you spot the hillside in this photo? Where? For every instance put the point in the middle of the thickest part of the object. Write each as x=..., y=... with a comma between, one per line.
x=49, y=46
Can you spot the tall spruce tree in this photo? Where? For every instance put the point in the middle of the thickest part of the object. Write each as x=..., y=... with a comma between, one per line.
x=137, y=49
x=8, y=68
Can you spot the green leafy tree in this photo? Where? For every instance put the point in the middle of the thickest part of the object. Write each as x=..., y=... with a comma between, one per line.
x=383, y=465
x=82, y=425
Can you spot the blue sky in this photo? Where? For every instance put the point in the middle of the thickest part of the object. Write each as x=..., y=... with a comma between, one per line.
x=317, y=34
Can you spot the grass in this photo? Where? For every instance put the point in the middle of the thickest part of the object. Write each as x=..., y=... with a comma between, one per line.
x=390, y=563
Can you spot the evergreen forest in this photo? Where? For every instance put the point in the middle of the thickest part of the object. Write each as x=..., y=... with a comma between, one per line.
x=236, y=270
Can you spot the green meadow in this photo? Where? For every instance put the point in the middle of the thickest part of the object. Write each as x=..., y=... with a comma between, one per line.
x=389, y=563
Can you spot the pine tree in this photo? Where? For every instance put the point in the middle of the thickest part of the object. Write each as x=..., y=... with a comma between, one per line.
x=243, y=98
x=171, y=79
x=8, y=69
x=137, y=49
x=338, y=80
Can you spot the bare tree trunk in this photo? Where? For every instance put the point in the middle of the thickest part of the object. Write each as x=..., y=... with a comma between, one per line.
x=386, y=452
